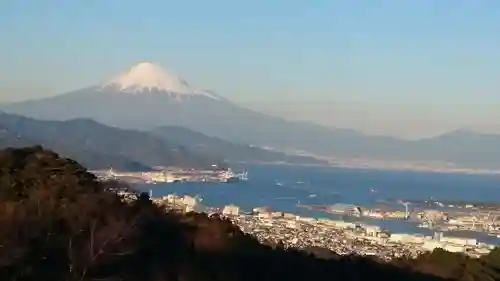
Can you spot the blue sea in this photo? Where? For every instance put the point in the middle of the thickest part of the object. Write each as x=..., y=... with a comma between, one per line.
x=327, y=185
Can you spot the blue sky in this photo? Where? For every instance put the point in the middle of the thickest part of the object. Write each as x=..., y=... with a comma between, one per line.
x=401, y=67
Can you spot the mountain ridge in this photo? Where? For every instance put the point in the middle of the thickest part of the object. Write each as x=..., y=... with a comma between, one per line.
x=232, y=152
x=98, y=145
x=92, y=143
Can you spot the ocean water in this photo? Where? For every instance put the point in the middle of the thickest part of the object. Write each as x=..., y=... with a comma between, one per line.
x=326, y=185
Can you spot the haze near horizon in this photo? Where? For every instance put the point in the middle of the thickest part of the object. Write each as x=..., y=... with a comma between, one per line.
x=401, y=68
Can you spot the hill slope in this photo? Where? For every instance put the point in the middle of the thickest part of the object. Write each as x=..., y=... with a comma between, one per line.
x=98, y=146
x=466, y=148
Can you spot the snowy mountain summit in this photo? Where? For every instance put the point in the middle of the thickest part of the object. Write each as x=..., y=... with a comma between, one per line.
x=149, y=77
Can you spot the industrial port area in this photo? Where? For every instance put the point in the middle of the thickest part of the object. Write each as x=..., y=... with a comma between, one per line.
x=352, y=231
x=434, y=215
x=341, y=237
x=172, y=175
x=439, y=216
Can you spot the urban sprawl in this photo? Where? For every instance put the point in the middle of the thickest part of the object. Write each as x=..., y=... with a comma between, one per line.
x=339, y=236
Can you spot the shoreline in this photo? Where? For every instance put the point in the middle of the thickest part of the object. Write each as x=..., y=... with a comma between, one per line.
x=424, y=170
x=464, y=171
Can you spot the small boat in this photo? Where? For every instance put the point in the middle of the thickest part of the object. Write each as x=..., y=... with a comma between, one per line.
x=424, y=225
x=278, y=183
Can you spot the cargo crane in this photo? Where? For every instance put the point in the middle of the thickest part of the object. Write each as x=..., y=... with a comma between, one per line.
x=407, y=212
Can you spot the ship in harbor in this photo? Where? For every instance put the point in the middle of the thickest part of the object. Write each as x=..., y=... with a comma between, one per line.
x=230, y=176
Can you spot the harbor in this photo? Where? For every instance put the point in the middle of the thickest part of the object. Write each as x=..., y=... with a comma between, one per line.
x=174, y=176
x=305, y=195
x=470, y=219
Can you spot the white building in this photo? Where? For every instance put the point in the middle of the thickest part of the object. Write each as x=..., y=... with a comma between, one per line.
x=483, y=251
x=264, y=215
x=277, y=214
x=432, y=245
x=189, y=204
x=259, y=210
x=343, y=224
x=459, y=240
x=454, y=248
x=293, y=224
x=289, y=216
x=189, y=201
x=194, y=208
x=127, y=196
x=231, y=210
x=372, y=230
x=406, y=238
x=174, y=199
x=308, y=219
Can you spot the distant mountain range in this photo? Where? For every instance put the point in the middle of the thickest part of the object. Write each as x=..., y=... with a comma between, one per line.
x=146, y=97
x=232, y=152
x=99, y=146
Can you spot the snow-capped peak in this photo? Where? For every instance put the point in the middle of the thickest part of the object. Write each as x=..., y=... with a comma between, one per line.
x=149, y=77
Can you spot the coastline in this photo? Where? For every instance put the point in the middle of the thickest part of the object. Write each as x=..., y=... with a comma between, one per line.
x=463, y=171
x=437, y=170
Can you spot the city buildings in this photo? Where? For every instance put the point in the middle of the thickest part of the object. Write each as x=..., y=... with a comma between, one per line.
x=336, y=235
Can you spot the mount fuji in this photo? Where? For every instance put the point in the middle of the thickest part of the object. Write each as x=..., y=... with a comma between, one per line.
x=144, y=97
x=149, y=98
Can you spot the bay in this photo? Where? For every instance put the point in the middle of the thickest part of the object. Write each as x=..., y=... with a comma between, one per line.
x=282, y=187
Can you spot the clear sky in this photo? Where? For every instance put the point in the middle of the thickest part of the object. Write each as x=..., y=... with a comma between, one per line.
x=403, y=67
